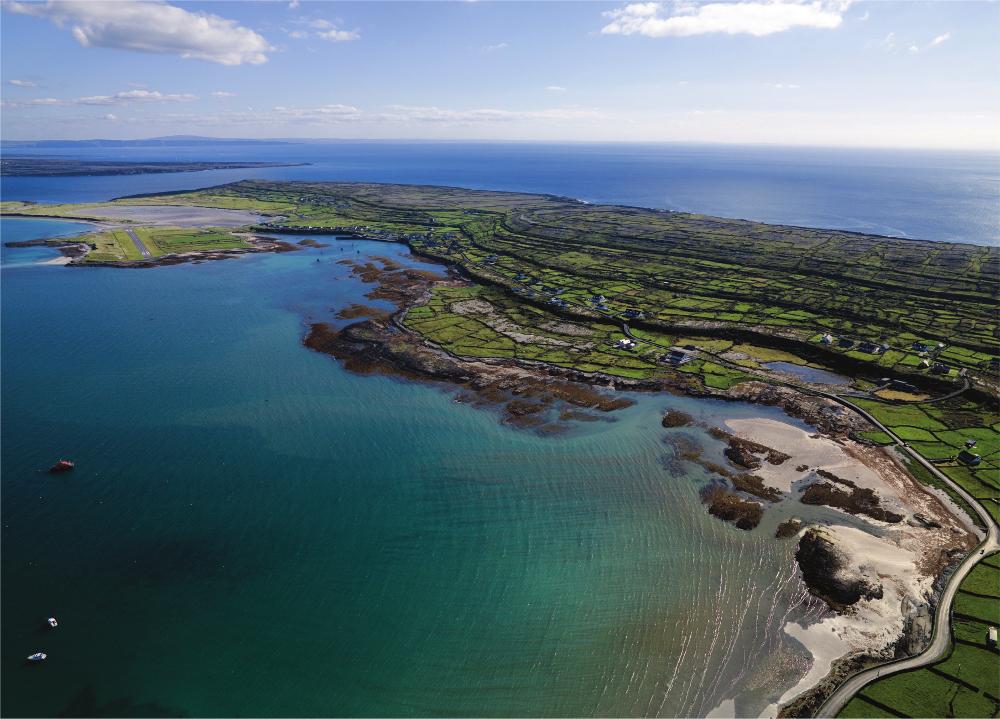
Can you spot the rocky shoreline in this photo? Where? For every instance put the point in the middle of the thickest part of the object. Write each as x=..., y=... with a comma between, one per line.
x=77, y=251
x=544, y=397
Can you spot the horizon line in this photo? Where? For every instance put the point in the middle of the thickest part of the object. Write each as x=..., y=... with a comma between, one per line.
x=524, y=141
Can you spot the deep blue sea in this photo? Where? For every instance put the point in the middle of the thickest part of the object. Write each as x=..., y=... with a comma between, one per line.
x=253, y=531
x=925, y=195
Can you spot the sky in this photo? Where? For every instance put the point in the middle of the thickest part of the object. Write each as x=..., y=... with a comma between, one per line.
x=816, y=72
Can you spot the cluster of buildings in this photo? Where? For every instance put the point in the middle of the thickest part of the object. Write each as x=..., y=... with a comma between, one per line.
x=926, y=351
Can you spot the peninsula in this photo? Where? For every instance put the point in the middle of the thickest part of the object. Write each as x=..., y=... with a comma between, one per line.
x=61, y=167
x=544, y=305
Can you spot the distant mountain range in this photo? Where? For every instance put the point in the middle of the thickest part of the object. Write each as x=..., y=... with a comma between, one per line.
x=169, y=141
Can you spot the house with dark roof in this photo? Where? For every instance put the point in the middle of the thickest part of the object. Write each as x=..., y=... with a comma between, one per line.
x=970, y=459
x=678, y=356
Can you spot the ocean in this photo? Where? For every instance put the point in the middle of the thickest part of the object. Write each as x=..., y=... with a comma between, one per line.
x=924, y=195
x=253, y=531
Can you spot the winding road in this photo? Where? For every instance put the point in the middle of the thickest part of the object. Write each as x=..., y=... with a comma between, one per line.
x=941, y=635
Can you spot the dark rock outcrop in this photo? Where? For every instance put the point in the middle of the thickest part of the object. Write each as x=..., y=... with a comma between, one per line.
x=676, y=418
x=860, y=500
x=828, y=574
x=788, y=528
x=730, y=507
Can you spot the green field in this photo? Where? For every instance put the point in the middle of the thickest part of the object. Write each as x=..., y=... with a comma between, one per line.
x=966, y=683
x=117, y=245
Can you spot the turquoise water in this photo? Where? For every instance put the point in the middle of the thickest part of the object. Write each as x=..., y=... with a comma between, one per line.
x=253, y=531
x=16, y=230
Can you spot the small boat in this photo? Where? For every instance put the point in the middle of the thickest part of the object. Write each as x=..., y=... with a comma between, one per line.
x=38, y=657
x=51, y=621
x=63, y=465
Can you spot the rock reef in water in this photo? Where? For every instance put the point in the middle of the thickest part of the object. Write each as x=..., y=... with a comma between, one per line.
x=730, y=507
x=788, y=528
x=859, y=500
x=676, y=418
x=831, y=574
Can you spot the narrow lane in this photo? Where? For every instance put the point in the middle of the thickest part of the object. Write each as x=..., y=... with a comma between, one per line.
x=941, y=636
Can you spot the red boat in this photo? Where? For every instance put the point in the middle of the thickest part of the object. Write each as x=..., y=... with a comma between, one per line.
x=63, y=465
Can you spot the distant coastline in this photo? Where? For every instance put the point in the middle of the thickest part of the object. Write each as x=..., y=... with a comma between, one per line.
x=60, y=167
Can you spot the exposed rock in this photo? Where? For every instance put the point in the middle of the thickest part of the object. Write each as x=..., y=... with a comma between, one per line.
x=676, y=418
x=860, y=500
x=826, y=415
x=826, y=474
x=828, y=574
x=918, y=626
x=919, y=520
x=788, y=528
x=731, y=507
x=740, y=455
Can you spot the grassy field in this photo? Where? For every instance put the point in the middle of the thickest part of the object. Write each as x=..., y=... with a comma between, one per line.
x=117, y=245
x=966, y=683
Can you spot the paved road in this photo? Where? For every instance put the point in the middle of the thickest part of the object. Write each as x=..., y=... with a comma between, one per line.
x=941, y=634
x=941, y=637
x=138, y=243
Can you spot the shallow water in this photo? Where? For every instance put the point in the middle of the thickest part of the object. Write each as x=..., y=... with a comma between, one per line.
x=251, y=530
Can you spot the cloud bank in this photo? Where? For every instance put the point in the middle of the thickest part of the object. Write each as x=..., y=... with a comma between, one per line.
x=684, y=19
x=153, y=27
x=119, y=98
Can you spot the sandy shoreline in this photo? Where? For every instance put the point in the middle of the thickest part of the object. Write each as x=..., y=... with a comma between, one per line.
x=905, y=559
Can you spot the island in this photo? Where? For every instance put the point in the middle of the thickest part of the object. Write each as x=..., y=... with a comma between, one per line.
x=60, y=167
x=545, y=306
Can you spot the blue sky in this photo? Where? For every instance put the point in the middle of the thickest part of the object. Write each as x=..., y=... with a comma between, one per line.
x=819, y=72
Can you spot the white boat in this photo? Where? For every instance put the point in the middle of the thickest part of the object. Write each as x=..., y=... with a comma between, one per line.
x=52, y=622
x=38, y=657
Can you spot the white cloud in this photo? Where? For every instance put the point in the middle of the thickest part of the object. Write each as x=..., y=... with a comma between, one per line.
x=32, y=103
x=293, y=5
x=119, y=98
x=223, y=93
x=755, y=18
x=425, y=114
x=323, y=29
x=22, y=83
x=945, y=37
x=494, y=48
x=864, y=18
x=555, y=88
x=390, y=118
x=782, y=85
x=890, y=43
x=339, y=35
x=152, y=26
x=110, y=117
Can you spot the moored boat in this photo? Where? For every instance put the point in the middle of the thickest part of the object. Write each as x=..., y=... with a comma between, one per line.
x=38, y=657
x=51, y=621
x=63, y=465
